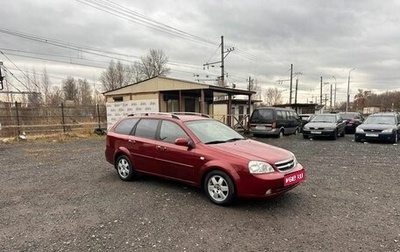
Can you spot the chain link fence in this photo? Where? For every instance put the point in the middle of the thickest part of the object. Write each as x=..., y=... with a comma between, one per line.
x=19, y=118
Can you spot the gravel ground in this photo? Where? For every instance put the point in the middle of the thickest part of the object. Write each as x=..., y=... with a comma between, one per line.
x=66, y=197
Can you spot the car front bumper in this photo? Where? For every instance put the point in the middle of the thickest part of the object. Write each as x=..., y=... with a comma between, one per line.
x=267, y=185
x=384, y=137
x=319, y=133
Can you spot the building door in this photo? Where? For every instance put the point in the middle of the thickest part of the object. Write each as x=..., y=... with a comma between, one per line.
x=190, y=105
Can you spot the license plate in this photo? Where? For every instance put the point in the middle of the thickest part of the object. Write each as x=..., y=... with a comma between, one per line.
x=371, y=135
x=293, y=178
x=260, y=127
x=315, y=132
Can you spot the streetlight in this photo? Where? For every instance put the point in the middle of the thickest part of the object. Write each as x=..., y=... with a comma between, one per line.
x=348, y=91
x=334, y=96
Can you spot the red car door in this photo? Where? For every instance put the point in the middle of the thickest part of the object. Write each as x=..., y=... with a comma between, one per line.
x=142, y=146
x=174, y=160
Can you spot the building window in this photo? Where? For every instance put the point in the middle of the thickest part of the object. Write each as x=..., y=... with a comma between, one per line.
x=172, y=106
x=118, y=99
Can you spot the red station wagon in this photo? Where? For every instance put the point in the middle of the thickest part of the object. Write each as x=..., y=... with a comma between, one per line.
x=202, y=152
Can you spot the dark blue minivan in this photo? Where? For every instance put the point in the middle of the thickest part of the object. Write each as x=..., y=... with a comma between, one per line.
x=274, y=121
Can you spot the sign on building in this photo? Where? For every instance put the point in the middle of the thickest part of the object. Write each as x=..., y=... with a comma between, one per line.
x=116, y=110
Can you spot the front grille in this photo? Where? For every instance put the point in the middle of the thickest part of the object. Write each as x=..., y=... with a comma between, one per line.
x=317, y=128
x=372, y=130
x=285, y=165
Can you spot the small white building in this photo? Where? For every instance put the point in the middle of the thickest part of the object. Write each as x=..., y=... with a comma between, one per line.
x=162, y=94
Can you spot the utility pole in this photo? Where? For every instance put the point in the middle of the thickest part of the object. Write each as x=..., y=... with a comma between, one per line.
x=320, y=95
x=291, y=82
x=297, y=85
x=330, y=104
x=334, y=97
x=1, y=77
x=250, y=87
x=222, y=61
x=224, y=54
x=295, y=94
x=348, y=91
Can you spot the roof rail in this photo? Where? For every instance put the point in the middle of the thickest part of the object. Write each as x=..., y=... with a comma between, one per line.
x=191, y=113
x=171, y=114
x=156, y=113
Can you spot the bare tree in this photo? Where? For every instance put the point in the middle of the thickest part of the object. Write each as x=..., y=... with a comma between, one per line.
x=45, y=86
x=272, y=96
x=119, y=75
x=84, y=92
x=55, y=97
x=360, y=99
x=135, y=73
x=154, y=64
x=70, y=89
x=35, y=97
x=116, y=76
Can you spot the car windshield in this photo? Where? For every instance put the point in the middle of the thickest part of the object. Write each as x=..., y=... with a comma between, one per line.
x=388, y=120
x=213, y=132
x=324, y=118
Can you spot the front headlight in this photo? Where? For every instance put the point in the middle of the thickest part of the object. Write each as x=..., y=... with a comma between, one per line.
x=257, y=167
x=359, y=130
x=294, y=160
x=387, y=131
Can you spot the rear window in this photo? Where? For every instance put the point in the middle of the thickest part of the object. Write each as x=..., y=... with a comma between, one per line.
x=125, y=126
x=261, y=115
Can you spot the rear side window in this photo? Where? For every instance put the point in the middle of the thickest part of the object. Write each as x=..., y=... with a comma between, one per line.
x=280, y=114
x=293, y=115
x=170, y=131
x=260, y=115
x=147, y=128
x=125, y=126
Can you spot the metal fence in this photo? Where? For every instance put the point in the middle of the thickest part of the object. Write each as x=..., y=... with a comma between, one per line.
x=19, y=118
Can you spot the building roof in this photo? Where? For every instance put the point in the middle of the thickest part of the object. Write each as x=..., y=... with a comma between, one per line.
x=162, y=83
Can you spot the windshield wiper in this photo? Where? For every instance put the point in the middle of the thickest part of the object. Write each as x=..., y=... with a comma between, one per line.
x=215, y=142
x=234, y=139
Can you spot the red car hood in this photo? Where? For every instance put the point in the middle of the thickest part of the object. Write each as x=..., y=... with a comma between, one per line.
x=254, y=150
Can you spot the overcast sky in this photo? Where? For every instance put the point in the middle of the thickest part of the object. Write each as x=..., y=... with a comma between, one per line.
x=320, y=38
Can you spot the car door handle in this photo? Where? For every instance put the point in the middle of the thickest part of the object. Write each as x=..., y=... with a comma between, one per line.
x=131, y=141
x=161, y=148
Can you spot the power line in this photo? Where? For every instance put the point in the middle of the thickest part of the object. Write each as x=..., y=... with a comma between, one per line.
x=130, y=15
x=27, y=77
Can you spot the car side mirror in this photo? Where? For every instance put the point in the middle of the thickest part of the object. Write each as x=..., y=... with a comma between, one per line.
x=183, y=141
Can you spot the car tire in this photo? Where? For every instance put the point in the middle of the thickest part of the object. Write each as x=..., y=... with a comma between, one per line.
x=219, y=188
x=343, y=133
x=396, y=137
x=305, y=136
x=335, y=135
x=124, y=168
x=357, y=140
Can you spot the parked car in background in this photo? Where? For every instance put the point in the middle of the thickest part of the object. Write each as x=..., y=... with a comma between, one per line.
x=379, y=126
x=324, y=125
x=202, y=152
x=352, y=119
x=274, y=121
x=305, y=118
